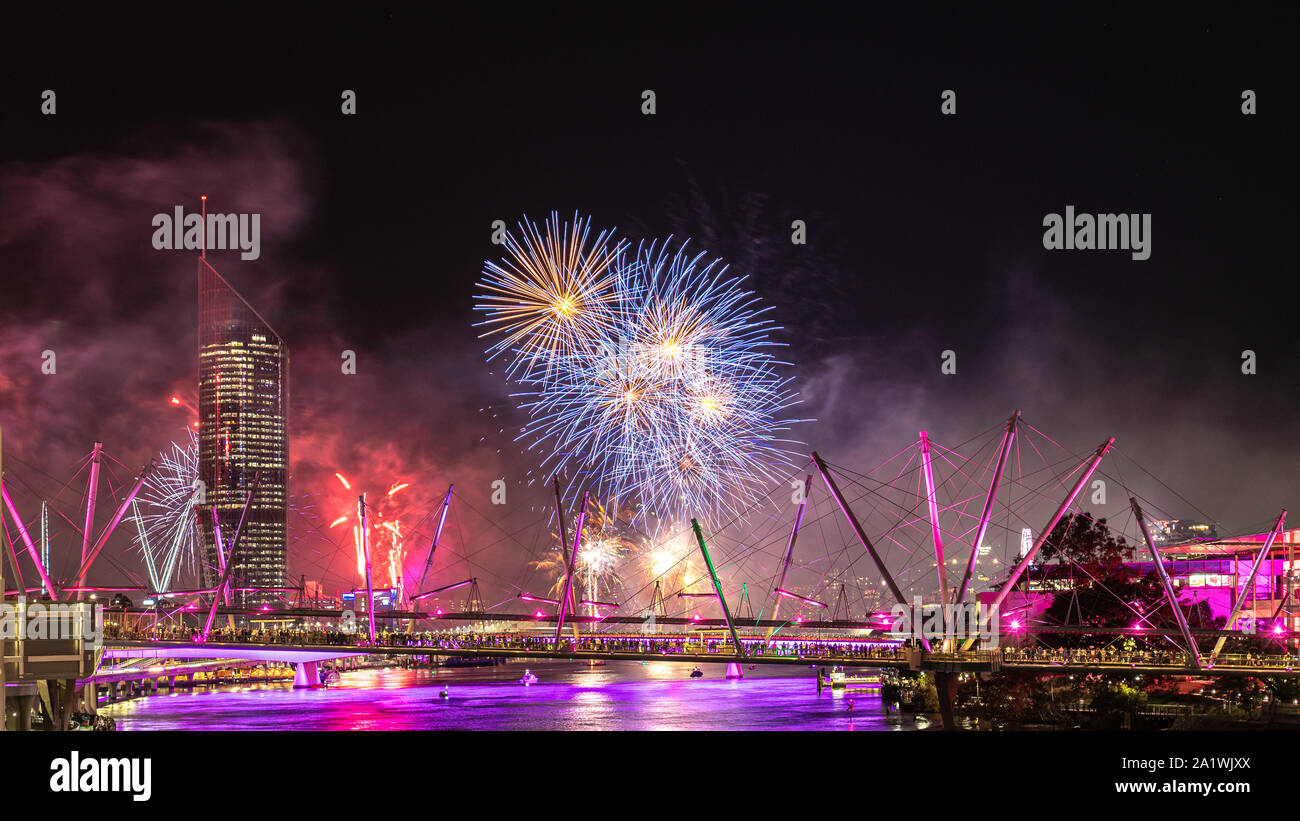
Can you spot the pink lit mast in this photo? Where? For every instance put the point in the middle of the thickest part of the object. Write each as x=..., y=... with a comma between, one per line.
x=1089, y=467
x=862, y=535
x=220, y=592
x=933, y=504
x=18, y=573
x=1249, y=584
x=789, y=551
x=566, y=595
x=88, y=560
x=4, y=711
x=27, y=540
x=365, y=549
x=564, y=548
x=221, y=549
x=1165, y=583
x=92, y=487
x=1007, y=439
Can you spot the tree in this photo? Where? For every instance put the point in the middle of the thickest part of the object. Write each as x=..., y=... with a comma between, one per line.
x=1101, y=590
x=1116, y=601
x=1113, y=700
x=1017, y=697
x=1080, y=540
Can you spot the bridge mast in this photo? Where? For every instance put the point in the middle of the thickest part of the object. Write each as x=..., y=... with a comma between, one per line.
x=789, y=551
x=90, y=499
x=4, y=711
x=87, y=561
x=933, y=505
x=699, y=536
x=365, y=549
x=1249, y=585
x=1007, y=439
x=564, y=548
x=658, y=607
x=567, y=594
x=1002, y=594
x=437, y=534
x=230, y=563
x=27, y=540
x=428, y=561
x=861, y=534
x=1166, y=584
x=221, y=550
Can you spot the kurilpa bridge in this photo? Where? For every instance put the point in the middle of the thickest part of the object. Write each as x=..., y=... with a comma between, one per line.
x=924, y=522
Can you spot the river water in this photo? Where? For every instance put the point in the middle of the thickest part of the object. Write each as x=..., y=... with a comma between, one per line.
x=617, y=695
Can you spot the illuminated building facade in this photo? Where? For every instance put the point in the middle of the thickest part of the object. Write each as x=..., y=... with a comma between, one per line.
x=1208, y=576
x=243, y=435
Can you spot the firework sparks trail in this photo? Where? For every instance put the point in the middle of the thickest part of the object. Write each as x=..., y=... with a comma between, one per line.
x=387, y=529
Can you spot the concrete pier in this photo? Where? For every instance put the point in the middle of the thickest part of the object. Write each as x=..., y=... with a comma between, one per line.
x=307, y=674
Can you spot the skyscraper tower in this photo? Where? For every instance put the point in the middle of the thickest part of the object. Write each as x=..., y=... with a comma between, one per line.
x=243, y=434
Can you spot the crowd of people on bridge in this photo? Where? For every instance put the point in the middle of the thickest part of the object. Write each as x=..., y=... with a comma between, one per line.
x=519, y=642
x=1146, y=657
x=837, y=651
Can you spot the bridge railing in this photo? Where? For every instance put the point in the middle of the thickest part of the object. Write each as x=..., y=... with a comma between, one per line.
x=1145, y=658
x=757, y=647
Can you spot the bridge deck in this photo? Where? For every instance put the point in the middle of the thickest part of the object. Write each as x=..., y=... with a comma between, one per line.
x=903, y=659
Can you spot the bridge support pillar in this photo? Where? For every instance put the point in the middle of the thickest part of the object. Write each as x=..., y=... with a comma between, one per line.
x=26, y=704
x=734, y=671
x=306, y=675
x=68, y=691
x=946, y=686
x=60, y=702
x=90, y=698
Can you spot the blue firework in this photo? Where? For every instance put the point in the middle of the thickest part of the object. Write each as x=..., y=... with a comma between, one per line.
x=673, y=404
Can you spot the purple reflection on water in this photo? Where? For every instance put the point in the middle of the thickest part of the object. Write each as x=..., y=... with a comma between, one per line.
x=571, y=696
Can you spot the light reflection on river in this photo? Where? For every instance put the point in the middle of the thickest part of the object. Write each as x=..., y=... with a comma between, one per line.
x=570, y=696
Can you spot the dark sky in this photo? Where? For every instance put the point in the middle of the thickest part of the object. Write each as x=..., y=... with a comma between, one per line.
x=925, y=231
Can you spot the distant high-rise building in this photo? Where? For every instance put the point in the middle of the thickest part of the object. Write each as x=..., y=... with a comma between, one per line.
x=1178, y=531
x=1026, y=541
x=243, y=435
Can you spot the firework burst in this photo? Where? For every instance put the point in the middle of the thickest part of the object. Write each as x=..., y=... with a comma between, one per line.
x=668, y=397
x=672, y=564
x=164, y=515
x=608, y=539
x=550, y=296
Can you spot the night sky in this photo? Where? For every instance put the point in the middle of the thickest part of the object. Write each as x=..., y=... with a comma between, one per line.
x=924, y=231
